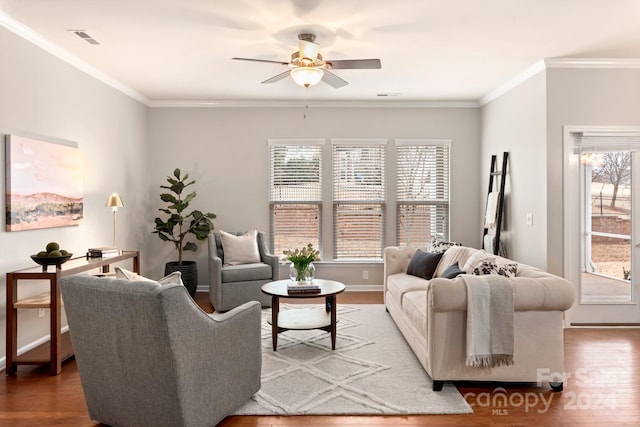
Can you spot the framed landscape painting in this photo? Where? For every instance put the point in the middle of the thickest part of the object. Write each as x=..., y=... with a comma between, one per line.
x=44, y=183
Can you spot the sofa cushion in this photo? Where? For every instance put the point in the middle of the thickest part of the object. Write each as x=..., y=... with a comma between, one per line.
x=459, y=254
x=400, y=283
x=476, y=259
x=452, y=271
x=246, y=272
x=241, y=249
x=423, y=264
x=414, y=305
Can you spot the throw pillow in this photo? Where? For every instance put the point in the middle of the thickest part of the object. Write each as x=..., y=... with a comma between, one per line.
x=440, y=246
x=423, y=264
x=452, y=272
x=508, y=269
x=241, y=249
x=490, y=267
x=476, y=258
x=175, y=277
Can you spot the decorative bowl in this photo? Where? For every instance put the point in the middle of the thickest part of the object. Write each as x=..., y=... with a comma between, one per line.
x=45, y=261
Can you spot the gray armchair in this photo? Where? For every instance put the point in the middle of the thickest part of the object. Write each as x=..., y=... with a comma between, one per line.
x=149, y=356
x=232, y=285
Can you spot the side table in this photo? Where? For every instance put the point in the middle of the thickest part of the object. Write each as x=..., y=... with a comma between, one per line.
x=51, y=300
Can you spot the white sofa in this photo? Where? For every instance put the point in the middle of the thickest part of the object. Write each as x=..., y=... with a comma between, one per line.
x=431, y=314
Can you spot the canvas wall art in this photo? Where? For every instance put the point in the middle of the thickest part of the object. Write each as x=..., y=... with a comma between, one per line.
x=44, y=183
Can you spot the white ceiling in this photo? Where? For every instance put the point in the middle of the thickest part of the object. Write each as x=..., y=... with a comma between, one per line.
x=431, y=50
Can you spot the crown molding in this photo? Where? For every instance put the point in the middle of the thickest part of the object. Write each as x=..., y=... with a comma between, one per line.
x=512, y=83
x=548, y=63
x=311, y=104
x=592, y=63
x=28, y=34
x=35, y=38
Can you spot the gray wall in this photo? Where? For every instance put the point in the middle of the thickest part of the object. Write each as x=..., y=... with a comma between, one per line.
x=225, y=150
x=516, y=123
x=43, y=96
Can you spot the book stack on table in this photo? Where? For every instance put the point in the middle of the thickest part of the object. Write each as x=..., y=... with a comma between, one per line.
x=303, y=288
x=102, y=252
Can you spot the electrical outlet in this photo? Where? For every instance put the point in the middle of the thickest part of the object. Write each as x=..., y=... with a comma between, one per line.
x=365, y=274
x=529, y=219
x=41, y=312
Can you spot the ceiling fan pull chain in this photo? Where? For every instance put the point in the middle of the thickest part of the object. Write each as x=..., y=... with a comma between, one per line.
x=306, y=102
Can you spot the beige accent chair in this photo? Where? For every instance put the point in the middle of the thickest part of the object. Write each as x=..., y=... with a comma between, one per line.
x=149, y=356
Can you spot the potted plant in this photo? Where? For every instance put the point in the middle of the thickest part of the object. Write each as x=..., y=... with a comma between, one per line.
x=180, y=223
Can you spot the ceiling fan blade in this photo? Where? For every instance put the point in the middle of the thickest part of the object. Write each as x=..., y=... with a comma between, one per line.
x=277, y=77
x=360, y=64
x=333, y=80
x=261, y=60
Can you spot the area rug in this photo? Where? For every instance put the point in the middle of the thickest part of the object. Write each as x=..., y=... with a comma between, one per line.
x=372, y=371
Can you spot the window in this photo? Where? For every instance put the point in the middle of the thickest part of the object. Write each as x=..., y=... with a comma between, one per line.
x=422, y=191
x=358, y=199
x=355, y=196
x=295, y=193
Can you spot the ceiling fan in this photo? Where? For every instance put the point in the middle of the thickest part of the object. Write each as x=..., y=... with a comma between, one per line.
x=307, y=67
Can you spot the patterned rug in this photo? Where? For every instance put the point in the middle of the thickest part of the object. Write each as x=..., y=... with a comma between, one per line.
x=372, y=371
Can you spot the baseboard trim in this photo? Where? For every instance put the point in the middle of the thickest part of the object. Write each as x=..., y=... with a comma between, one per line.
x=30, y=346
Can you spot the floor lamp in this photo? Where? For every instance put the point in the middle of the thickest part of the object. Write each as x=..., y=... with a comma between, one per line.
x=114, y=202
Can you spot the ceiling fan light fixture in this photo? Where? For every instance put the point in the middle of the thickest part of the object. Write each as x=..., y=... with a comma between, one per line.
x=307, y=76
x=308, y=50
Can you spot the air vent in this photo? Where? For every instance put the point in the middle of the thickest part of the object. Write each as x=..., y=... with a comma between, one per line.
x=84, y=36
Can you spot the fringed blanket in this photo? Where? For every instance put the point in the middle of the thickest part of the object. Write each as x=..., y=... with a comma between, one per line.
x=489, y=320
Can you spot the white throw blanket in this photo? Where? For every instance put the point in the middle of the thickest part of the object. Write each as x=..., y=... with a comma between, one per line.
x=489, y=320
x=491, y=213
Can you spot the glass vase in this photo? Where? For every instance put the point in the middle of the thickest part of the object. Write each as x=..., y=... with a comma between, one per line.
x=302, y=273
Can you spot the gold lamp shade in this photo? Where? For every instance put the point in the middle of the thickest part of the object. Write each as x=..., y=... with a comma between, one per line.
x=114, y=201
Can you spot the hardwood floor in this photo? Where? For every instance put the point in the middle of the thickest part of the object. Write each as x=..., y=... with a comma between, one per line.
x=603, y=389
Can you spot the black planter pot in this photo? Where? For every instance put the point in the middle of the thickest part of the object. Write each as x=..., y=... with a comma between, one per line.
x=189, y=270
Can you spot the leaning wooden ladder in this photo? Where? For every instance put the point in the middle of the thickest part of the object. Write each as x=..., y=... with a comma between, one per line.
x=498, y=175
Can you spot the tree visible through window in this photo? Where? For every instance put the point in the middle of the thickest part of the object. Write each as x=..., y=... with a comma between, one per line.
x=608, y=219
x=422, y=189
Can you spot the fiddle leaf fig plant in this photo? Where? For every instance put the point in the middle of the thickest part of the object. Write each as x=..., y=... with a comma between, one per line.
x=181, y=223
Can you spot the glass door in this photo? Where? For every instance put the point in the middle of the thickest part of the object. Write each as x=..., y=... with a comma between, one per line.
x=607, y=249
x=609, y=211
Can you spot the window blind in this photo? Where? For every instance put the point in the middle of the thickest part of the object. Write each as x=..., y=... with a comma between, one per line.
x=605, y=141
x=295, y=194
x=422, y=191
x=358, y=199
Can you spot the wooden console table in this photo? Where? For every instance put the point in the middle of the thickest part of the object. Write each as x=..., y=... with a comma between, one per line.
x=52, y=301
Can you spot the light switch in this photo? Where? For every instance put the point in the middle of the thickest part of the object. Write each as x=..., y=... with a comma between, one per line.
x=529, y=219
